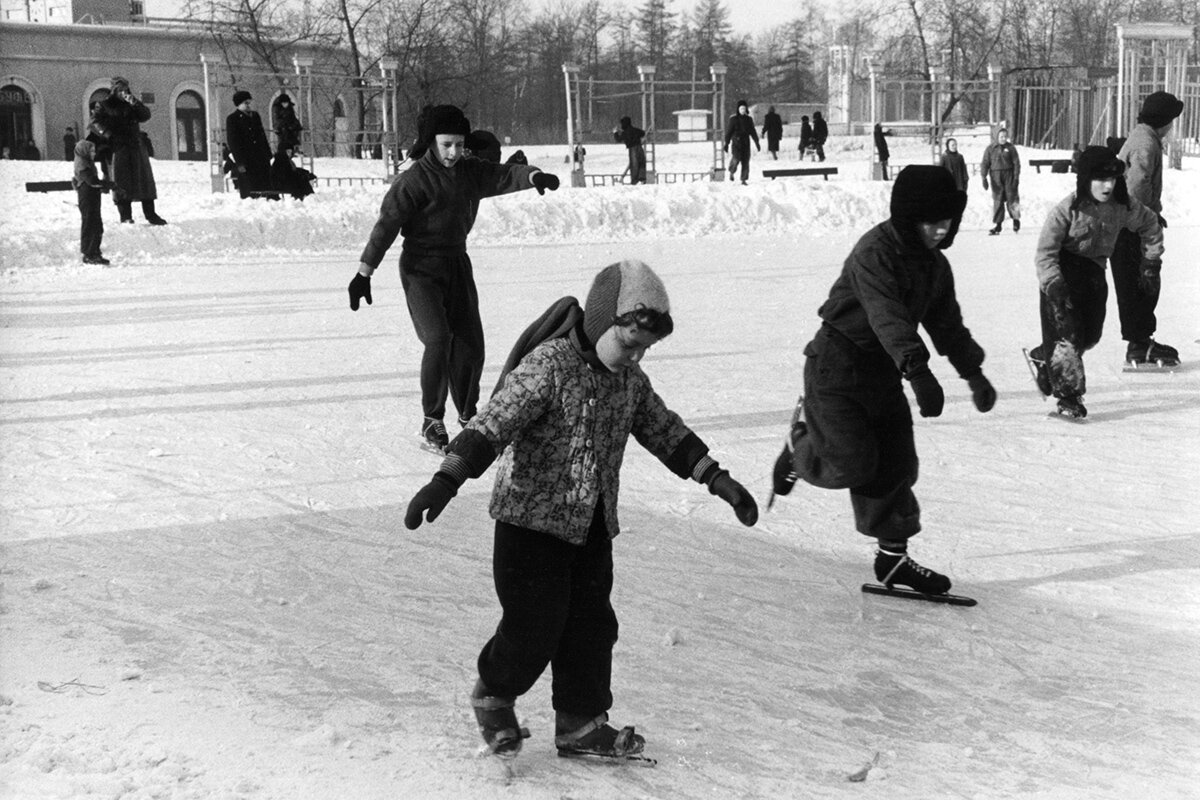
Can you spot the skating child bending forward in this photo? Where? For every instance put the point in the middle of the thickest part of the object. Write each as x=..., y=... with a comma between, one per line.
x=559, y=422
x=1076, y=241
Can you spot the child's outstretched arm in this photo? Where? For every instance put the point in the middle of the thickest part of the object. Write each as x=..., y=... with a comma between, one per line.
x=722, y=484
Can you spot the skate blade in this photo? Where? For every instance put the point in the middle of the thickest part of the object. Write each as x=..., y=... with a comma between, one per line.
x=913, y=594
x=1067, y=417
x=429, y=447
x=1141, y=366
x=603, y=758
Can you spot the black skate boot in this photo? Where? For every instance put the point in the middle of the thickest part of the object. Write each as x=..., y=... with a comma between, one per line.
x=579, y=736
x=497, y=721
x=994, y=231
x=894, y=568
x=1016, y=225
x=783, y=475
x=1071, y=407
x=1150, y=354
x=433, y=432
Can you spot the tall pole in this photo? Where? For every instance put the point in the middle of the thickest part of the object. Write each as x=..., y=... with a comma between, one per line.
x=570, y=72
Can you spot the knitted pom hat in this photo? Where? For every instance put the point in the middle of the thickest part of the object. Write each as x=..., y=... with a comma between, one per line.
x=241, y=97
x=1160, y=109
x=448, y=120
x=619, y=289
x=926, y=193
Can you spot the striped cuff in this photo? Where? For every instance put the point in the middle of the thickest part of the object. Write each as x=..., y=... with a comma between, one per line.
x=705, y=468
x=456, y=468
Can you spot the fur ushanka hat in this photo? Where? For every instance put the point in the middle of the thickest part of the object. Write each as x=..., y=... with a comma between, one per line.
x=926, y=193
x=621, y=288
x=1097, y=163
x=448, y=120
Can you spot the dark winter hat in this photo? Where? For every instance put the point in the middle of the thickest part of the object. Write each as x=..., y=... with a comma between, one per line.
x=1160, y=109
x=117, y=82
x=448, y=120
x=241, y=97
x=626, y=122
x=484, y=144
x=926, y=193
x=626, y=288
x=741, y=103
x=1097, y=163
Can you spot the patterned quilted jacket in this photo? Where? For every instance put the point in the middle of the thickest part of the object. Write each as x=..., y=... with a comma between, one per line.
x=562, y=426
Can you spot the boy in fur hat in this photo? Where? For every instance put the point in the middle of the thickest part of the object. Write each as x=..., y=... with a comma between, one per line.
x=573, y=393
x=1078, y=237
x=853, y=428
x=432, y=205
x=1137, y=288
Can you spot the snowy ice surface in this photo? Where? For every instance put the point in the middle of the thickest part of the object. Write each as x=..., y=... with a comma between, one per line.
x=208, y=591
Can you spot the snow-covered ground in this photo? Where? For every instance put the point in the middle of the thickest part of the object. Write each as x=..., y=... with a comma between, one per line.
x=208, y=591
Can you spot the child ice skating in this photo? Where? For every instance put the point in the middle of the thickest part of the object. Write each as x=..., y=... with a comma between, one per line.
x=559, y=422
x=853, y=428
x=432, y=205
x=1078, y=237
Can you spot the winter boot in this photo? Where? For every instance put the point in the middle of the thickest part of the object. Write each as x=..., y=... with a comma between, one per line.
x=1016, y=225
x=893, y=567
x=1150, y=353
x=151, y=216
x=497, y=721
x=783, y=475
x=575, y=735
x=433, y=431
x=1072, y=407
x=994, y=231
x=125, y=209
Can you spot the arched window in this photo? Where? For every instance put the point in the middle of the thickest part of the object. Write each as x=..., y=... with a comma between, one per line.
x=16, y=120
x=191, y=144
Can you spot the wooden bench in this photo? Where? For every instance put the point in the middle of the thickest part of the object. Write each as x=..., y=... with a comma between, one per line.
x=49, y=186
x=1055, y=164
x=797, y=171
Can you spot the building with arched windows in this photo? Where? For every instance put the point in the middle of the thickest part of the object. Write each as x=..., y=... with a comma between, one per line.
x=57, y=56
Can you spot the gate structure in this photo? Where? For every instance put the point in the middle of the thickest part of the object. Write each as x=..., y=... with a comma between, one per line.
x=322, y=102
x=1153, y=57
x=583, y=96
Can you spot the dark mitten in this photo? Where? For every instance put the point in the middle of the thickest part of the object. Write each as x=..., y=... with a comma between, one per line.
x=432, y=498
x=360, y=289
x=732, y=492
x=982, y=392
x=985, y=184
x=930, y=397
x=543, y=181
x=1150, y=276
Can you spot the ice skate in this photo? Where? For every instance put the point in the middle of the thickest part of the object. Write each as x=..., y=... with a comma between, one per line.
x=1039, y=369
x=892, y=569
x=597, y=739
x=1151, y=355
x=1071, y=408
x=783, y=475
x=497, y=721
x=994, y=231
x=1016, y=225
x=433, y=436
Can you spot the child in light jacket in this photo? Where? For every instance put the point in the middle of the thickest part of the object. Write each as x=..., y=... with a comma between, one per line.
x=559, y=422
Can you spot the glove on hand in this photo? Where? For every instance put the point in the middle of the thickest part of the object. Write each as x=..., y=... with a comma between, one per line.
x=732, y=492
x=360, y=289
x=930, y=397
x=982, y=392
x=1149, y=276
x=432, y=497
x=543, y=181
x=985, y=184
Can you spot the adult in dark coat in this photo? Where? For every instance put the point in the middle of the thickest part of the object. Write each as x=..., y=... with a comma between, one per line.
x=820, y=134
x=773, y=130
x=287, y=178
x=285, y=123
x=853, y=428
x=120, y=117
x=881, y=148
x=248, y=145
x=739, y=132
x=631, y=136
x=953, y=161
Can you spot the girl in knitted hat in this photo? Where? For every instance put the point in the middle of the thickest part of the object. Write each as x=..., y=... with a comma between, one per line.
x=559, y=422
x=432, y=205
x=1077, y=239
x=853, y=428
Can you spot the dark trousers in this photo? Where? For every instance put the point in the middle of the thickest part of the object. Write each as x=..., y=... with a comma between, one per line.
x=1005, y=194
x=740, y=157
x=444, y=305
x=1068, y=332
x=91, y=229
x=556, y=612
x=860, y=435
x=1134, y=306
x=637, y=164
x=125, y=209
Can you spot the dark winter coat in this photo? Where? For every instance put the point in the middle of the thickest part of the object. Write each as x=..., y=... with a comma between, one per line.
x=250, y=149
x=806, y=135
x=957, y=165
x=820, y=129
x=881, y=145
x=129, y=164
x=773, y=130
x=285, y=123
x=287, y=178
x=889, y=286
x=739, y=132
x=434, y=206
